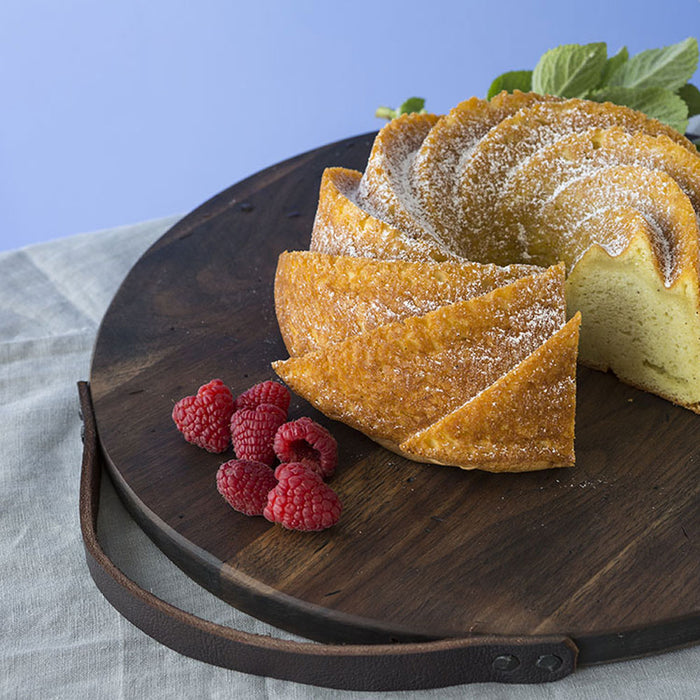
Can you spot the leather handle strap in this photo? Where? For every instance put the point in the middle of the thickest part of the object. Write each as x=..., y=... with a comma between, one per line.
x=404, y=666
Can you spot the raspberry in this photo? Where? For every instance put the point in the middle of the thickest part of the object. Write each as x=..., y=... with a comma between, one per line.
x=204, y=419
x=304, y=440
x=301, y=500
x=265, y=392
x=245, y=485
x=284, y=471
x=253, y=430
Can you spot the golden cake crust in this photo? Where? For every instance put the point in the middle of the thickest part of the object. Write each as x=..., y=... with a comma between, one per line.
x=342, y=227
x=434, y=173
x=572, y=180
x=482, y=182
x=580, y=153
x=401, y=377
x=524, y=421
x=322, y=299
x=382, y=188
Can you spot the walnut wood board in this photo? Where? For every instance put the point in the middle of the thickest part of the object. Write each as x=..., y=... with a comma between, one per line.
x=607, y=552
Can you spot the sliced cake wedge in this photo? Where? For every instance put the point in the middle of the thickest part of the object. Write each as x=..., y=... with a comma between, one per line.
x=343, y=227
x=398, y=379
x=524, y=421
x=321, y=299
x=384, y=190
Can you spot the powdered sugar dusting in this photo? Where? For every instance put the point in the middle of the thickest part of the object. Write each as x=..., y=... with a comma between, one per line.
x=343, y=227
x=383, y=189
x=633, y=201
x=484, y=180
x=433, y=178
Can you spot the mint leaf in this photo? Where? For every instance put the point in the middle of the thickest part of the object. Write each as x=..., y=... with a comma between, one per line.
x=670, y=67
x=655, y=102
x=510, y=81
x=613, y=64
x=571, y=70
x=691, y=96
x=412, y=104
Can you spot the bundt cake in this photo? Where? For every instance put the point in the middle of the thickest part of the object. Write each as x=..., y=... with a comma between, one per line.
x=530, y=179
x=419, y=318
x=406, y=383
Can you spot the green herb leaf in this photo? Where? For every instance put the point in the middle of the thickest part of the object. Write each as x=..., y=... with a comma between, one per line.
x=571, y=70
x=613, y=64
x=691, y=96
x=670, y=67
x=412, y=104
x=511, y=81
x=655, y=102
x=385, y=113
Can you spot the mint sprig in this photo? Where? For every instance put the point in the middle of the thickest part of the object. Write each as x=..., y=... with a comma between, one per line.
x=655, y=81
x=669, y=68
x=411, y=105
x=570, y=70
x=510, y=81
x=612, y=64
x=691, y=96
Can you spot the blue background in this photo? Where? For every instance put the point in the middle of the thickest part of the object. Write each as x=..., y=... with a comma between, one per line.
x=117, y=112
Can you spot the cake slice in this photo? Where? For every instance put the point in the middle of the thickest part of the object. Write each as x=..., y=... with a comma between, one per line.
x=343, y=227
x=538, y=177
x=482, y=181
x=383, y=190
x=646, y=333
x=654, y=194
x=322, y=299
x=398, y=379
x=434, y=172
x=524, y=421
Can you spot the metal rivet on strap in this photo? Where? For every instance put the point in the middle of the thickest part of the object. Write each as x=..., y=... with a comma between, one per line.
x=505, y=662
x=549, y=662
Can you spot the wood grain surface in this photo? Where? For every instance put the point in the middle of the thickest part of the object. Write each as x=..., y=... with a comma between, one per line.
x=607, y=552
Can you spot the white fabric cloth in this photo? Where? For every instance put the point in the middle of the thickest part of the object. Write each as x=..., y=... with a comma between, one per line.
x=60, y=638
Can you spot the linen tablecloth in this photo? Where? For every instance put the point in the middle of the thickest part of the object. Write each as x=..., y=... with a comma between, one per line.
x=60, y=638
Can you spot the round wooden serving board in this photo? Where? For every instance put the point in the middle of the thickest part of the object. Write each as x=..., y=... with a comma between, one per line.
x=607, y=553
